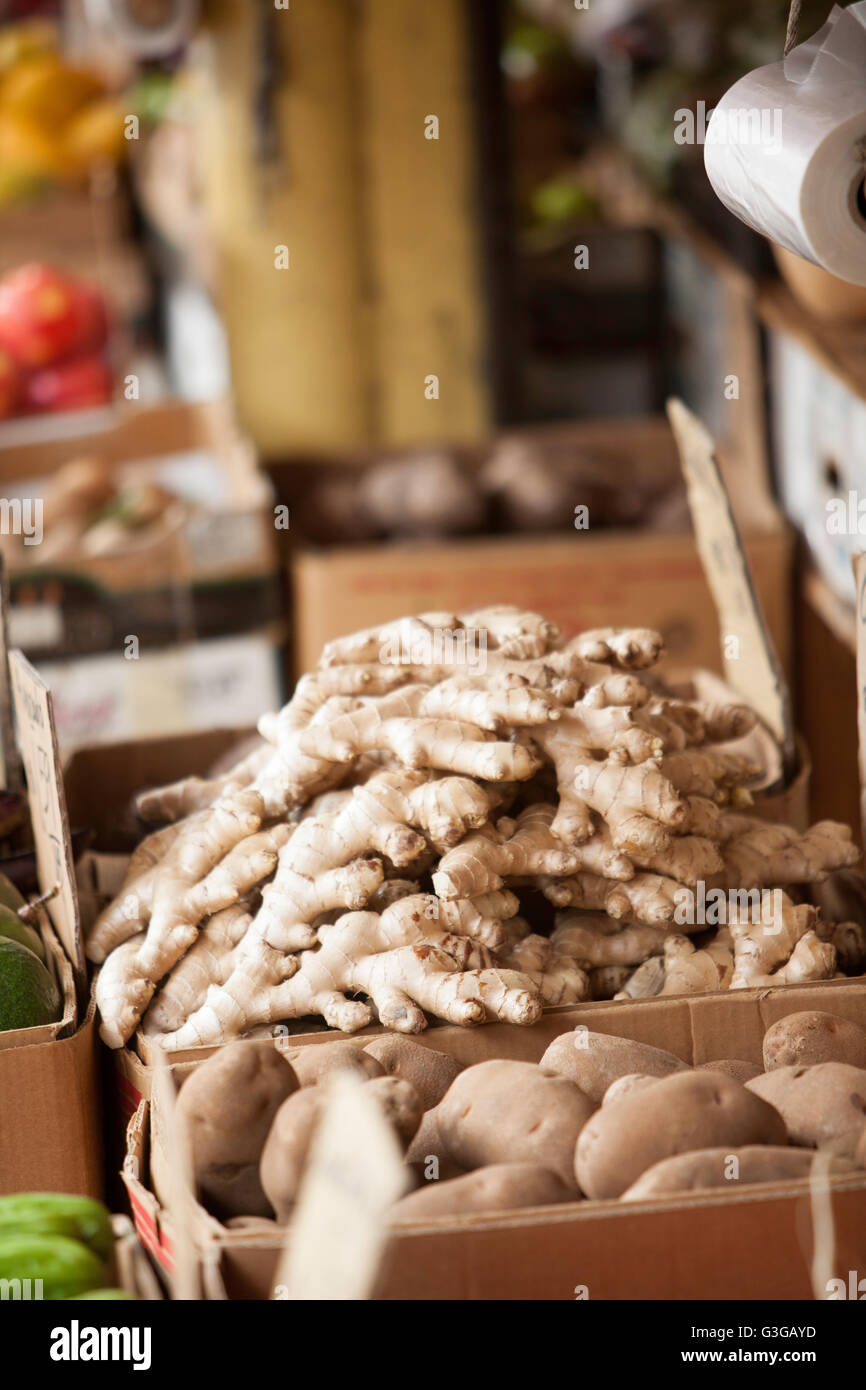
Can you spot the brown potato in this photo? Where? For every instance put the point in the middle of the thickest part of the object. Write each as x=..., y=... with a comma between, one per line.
x=708, y=1168
x=824, y=1106
x=228, y=1104
x=428, y=1142
x=315, y=1062
x=690, y=1110
x=498, y=1187
x=593, y=1060
x=627, y=1085
x=429, y=1071
x=512, y=1112
x=401, y=1105
x=736, y=1070
x=805, y=1038
x=285, y=1154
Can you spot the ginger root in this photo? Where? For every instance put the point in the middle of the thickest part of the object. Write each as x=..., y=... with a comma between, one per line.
x=434, y=779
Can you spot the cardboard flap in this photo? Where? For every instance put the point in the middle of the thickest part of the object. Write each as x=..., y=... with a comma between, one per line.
x=339, y=1228
x=859, y=563
x=37, y=736
x=748, y=654
x=176, y=1165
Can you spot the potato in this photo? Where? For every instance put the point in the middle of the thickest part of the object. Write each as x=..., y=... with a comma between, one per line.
x=228, y=1104
x=312, y=1064
x=429, y=1143
x=498, y=1187
x=285, y=1154
x=593, y=1060
x=736, y=1070
x=429, y=1071
x=708, y=1168
x=401, y=1105
x=434, y=1169
x=805, y=1038
x=824, y=1106
x=626, y=1086
x=690, y=1110
x=512, y=1112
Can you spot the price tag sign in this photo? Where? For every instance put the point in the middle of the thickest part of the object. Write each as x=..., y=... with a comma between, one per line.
x=340, y=1225
x=37, y=736
x=749, y=656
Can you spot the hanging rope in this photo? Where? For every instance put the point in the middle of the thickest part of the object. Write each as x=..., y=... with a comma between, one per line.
x=794, y=14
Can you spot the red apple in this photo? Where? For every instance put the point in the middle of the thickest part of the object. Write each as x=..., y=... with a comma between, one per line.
x=46, y=316
x=75, y=385
x=10, y=384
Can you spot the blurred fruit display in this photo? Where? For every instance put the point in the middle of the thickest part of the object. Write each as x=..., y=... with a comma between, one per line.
x=54, y=330
x=58, y=121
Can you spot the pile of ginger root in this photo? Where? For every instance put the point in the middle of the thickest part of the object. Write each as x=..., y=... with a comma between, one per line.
x=470, y=818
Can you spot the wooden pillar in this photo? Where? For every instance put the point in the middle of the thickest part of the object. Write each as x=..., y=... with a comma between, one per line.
x=299, y=350
x=420, y=199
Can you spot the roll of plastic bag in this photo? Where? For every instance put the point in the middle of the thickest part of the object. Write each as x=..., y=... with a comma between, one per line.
x=785, y=148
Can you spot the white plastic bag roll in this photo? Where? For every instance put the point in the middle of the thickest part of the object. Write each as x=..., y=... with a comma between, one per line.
x=786, y=147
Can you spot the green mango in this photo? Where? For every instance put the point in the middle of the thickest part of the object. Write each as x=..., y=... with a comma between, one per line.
x=9, y=895
x=14, y=929
x=59, y=1214
x=28, y=993
x=65, y=1267
x=117, y=1294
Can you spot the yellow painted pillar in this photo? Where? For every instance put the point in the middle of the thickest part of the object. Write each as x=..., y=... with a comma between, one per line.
x=374, y=333
x=299, y=350
x=419, y=190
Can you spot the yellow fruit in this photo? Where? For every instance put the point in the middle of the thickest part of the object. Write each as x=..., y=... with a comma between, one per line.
x=44, y=89
x=95, y=133
x=20, y=41
x=26, y=149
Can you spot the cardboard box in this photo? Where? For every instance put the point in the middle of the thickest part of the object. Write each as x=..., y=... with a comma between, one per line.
x=213, y=574
x=581, y=580
x=50, y=1121
x=201, y=598
x=755, y=1244
x=610, y=579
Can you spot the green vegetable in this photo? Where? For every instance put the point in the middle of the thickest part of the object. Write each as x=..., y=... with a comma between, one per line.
x=562, y=200
x=9, y=895
x=59, y=1214
x=28, y=994
x=65, y=1267
x=13, y=929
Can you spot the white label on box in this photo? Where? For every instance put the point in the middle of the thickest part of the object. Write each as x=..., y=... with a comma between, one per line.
x=230, y=681
x=820, y=456
x=34, y=626
x=219, y=541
